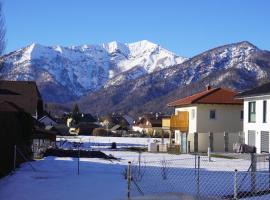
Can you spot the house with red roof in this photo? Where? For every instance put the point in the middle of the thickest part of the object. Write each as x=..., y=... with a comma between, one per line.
x=206, y=118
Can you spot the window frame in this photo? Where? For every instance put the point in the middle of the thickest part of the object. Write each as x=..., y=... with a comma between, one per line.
x=215, y=114
x=264, y=111
x=251, y=111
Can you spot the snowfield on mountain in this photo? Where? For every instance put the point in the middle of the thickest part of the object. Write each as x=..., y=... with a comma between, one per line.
x=80, y=69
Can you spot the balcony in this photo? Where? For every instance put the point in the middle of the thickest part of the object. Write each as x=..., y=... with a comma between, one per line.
x=176, y=122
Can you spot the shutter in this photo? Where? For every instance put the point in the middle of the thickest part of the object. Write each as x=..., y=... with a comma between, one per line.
x=264, y=141
x=251, y=138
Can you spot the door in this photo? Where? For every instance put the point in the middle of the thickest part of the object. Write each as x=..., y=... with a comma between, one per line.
x=184, y=142
x=264, y=141
x=251, y=138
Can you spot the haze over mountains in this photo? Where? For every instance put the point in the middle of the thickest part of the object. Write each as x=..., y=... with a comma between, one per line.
x=133, y=78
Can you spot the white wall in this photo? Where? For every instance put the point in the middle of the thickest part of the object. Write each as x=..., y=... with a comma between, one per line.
x=258, y=126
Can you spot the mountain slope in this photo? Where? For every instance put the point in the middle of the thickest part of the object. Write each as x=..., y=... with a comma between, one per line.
x=65, y=73
x=238, y=66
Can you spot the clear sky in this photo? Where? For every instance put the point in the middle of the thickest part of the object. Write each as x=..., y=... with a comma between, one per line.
x=186, y=27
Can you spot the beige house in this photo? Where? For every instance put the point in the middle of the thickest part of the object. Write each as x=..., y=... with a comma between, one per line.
x=211, y=118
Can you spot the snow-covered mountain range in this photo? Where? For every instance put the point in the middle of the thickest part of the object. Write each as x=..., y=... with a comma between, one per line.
x=238, y=66
x=65, y=73
x=132, y=78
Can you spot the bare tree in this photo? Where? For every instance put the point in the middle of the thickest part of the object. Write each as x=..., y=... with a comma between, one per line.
x=2, y=30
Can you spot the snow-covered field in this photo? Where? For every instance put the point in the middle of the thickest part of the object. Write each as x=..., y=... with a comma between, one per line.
x=56, y=178
x=94, y=142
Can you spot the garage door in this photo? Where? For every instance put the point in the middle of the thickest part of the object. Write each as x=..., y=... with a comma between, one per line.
x=251, y=138
x=265, y=141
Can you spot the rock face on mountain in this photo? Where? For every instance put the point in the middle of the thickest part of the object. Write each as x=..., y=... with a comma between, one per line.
x=238, y=66
x=66, y=73
x=133, y=78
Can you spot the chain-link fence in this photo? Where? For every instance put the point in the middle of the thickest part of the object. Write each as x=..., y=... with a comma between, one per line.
x=196, y=175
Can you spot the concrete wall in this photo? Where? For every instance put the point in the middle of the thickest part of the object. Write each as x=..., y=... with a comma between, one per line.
x=218, y=142
x=258, y=126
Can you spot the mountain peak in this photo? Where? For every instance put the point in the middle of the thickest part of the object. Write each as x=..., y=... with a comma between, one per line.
x=115, y=46
x=247, y=44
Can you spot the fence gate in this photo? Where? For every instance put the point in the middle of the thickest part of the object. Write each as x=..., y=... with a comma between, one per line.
x=265, y=141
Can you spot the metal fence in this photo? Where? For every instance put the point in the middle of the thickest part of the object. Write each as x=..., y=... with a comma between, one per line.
x=197, y=176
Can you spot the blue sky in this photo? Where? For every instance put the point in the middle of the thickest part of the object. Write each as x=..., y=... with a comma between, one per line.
x=186, y=27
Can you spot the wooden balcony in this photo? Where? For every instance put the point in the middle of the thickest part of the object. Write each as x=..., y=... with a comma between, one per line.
x=179, y=121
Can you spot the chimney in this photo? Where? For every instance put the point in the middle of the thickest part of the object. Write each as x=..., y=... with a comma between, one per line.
x=208, y=87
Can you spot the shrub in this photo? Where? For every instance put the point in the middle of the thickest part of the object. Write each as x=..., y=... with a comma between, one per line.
x=101, y=132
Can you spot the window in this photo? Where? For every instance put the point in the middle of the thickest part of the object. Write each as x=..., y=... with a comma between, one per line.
x=242, y=115
x=212, y=114
x=193, y=114
x=252, y=111
x=264, y=111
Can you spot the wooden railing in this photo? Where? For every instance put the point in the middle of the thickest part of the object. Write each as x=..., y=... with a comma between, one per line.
x=179, y=121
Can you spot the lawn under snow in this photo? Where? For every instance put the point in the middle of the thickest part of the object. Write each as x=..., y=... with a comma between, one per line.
x=56, y=178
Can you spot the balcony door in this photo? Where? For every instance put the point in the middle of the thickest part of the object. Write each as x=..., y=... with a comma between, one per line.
x=184, y=143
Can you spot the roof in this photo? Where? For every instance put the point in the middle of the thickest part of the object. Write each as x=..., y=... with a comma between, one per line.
x=209, y=96
x=155, y=121
x=40, y=133
x=115, y=127
x=258, y=91
x=87, y=118
x=6, y=106
x=24, y=94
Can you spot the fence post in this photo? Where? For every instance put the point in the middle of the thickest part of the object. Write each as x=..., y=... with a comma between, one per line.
x=129, y=179
x=269, y=171
x=198, y=176
x=140, y=153
x=196, y=142
x=209, y=154
x=235, y=185
x=14, y=157
x=253, y=172
x=78, y=169
x=226, y=142
x=211, y=139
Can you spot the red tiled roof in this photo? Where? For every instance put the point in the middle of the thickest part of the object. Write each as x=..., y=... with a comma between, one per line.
x=210, y=96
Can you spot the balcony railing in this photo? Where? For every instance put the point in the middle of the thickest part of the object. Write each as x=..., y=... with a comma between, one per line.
x=177, y=122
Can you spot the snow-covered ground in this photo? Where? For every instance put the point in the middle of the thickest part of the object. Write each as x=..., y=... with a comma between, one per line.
x=56, y=178
x=97, y=142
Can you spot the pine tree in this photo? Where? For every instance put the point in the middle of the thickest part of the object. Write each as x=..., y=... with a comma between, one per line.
x=76, y=115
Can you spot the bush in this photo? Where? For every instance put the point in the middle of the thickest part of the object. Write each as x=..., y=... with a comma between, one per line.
x=101, y=132
x=114, y=146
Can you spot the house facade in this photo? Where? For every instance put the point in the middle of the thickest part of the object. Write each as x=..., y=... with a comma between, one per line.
x=206, y=119
x=256, y=117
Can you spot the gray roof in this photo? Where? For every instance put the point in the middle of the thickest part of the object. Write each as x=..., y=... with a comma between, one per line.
x=258, y=91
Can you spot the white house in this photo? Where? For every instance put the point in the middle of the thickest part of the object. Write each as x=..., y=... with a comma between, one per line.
x=211, y=118
x=256, y=117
